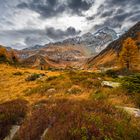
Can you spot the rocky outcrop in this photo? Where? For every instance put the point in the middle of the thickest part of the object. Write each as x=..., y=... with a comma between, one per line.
x=132, y=111
x=110, y=84
x=12, y=133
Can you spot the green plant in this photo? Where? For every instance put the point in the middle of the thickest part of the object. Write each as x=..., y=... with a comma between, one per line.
x=131, y=83
x=41, y=89
x=18, y=73
x=52, y=78
x=78, y=120
x=98, y=95
x=112, y=73
x=33, y=77
x=74, y=90
x=137, y=99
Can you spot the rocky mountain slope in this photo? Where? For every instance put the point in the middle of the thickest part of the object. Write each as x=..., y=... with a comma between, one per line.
x=54, y=55
x=109, y=56
x=72, y=52
x=94, y=42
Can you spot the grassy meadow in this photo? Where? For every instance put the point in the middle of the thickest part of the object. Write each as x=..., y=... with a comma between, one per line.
x=68, y=104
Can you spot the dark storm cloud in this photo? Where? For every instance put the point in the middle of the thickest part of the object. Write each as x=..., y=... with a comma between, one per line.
x=31, y=41
x=26, y=38
x=122, y=3
x=115, y=13
x=48, y=8
x=79, y=5
x=120, y=11
x=61, y=34
x=134, y=17
x=31, y=37
x=116, y=21
x=23, y=32
x=51, y=8
x=22, y=5
x=107, y=13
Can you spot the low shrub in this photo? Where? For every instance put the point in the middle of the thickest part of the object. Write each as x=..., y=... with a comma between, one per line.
x=11, y=113
x=35, y=124
x=33, y=77
x=41, y=89
x=137, y=99
x=76, y=120
x=98, y=95
x=74, y=90
x=78, y=77
x=56, y=78
x=52, y=78
x=18, y=73
x=131, y=83
x=112, y=73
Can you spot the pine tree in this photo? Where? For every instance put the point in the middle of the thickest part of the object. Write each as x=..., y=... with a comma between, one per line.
x=128, y=54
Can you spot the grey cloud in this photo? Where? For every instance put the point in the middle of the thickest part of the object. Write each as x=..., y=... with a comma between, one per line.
x=113, y=13
x=30, y=37
x=48, y=8
x=22, y=5
x=107, y=13
x=51, y=8
x=57, y=34
x=135, y=18
x=119, y=11
x=116, y=12
x=34, y=40
x=79, y=5
x=23, y=38
x=99, y=12
x=121, y=3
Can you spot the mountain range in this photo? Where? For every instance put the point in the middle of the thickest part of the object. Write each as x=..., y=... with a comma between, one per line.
x=71, y=52
x=94, y=42
x=90, y=50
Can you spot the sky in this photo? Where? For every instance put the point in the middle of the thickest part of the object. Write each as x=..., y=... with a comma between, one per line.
x=25, y=23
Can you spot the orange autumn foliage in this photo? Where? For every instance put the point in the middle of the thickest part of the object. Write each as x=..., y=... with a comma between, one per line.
x=129, y=53
x=7, y=56
x=3, y=54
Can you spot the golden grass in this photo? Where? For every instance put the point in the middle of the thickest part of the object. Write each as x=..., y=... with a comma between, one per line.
x=13, y=86
x=65, y=111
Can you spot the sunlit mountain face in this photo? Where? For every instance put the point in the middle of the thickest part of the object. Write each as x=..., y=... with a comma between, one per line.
x=26, y=23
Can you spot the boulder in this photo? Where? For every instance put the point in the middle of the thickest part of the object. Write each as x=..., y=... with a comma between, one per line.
x=12, y=133
x=74, y=90
x=132, y=111
x=110, y=84
x=51, y=90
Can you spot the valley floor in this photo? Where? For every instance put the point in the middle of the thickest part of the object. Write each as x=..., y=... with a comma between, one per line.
x=64, y=105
